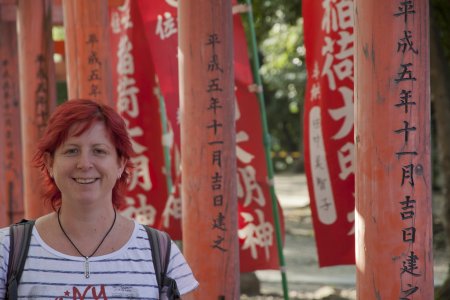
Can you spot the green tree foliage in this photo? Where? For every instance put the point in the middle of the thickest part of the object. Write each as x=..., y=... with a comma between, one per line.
x=279, y=33
x=284, y=77
x=440, y=19
x=267, y=13
x=440, y=91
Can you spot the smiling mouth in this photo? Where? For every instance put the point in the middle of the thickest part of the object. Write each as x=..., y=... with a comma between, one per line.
x=85, y=180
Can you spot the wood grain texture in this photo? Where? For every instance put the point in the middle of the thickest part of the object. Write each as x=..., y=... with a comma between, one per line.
x=393, y=151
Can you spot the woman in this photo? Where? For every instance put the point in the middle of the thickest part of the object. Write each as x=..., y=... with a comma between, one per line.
x=85, y=249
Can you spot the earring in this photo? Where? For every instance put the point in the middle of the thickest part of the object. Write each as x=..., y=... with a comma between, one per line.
x=119, y=175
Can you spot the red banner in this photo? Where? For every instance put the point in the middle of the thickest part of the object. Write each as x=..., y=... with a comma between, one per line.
x=256, y=225
x=328, y=135
x=161, y=34
x=134, y=79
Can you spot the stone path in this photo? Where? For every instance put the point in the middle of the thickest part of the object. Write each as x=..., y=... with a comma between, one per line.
x=305, y=279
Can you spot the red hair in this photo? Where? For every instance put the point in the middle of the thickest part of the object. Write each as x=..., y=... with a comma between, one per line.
x=83, y=113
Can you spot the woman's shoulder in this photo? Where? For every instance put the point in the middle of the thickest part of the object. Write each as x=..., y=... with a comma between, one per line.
x=4, y=247
x=19, y=235
x=143, y=232
x=4, y=234
x=139, y=236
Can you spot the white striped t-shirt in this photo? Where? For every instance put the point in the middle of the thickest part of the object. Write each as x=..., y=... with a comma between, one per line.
x=127, y=273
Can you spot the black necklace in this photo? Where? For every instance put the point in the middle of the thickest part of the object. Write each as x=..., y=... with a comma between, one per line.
x=86, y=262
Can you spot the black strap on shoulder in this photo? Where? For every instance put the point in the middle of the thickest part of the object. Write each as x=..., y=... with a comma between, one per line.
x=160, y=244
x=20, y=236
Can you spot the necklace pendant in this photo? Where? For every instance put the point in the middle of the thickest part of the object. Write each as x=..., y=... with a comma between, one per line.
x=87, y=273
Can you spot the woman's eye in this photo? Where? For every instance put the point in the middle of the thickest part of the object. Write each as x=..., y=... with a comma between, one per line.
x=99, y=151
x=71, y=151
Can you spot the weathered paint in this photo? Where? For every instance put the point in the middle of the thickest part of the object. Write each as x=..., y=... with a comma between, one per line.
x=208, y=190
x=393, y=150
x=37, y=91
x=88, y=51
x=11, y=196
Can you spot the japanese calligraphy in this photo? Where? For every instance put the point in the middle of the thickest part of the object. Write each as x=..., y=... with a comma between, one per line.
x=405, y=9
x=323, y=193
x=128, y=105
x=95, y=64
x=8, y=106
x=42, y=109
x=250, y=193
x=331, y=117
x=166, y=26
x=405, y=103
x=256, y=233
x=215, y=126
x=405, y=95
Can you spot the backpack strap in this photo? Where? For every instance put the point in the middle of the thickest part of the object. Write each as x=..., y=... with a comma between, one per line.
x=19, y=237
x=160, y=244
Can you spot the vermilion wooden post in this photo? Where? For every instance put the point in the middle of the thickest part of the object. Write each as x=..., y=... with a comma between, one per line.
x=3, y=197
x=11, y=197
x=393, y=178
x=37, y=91
x=208, y=149
x=88, y=55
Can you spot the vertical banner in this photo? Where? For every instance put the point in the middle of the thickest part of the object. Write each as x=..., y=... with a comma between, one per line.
x=256, y=232
x=135, y=100
x=256, y=220
x=328, y=125
x=393, y=187
x=11, y=198
x=161, y=32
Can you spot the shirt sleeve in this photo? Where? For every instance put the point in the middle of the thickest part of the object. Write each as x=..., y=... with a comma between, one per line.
x=179, y=270
x=4, y=257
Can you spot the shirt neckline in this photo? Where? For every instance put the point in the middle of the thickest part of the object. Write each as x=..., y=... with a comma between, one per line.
x=40, y=241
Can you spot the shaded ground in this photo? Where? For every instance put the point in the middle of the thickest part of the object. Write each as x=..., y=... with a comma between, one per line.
x=306, y=280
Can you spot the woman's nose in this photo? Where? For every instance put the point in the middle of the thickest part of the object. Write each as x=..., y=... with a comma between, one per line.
x=84, y=161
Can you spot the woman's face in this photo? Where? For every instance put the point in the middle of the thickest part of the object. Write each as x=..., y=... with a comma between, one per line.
x=86, y=167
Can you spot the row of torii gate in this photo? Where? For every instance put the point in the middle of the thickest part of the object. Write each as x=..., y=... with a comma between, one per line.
x=28, y=94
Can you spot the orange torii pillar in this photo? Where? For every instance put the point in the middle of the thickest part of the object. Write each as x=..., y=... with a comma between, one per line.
x=37, y=91
x=208, y=151
x=88, y=51
x=11, y=197
x=394, y=255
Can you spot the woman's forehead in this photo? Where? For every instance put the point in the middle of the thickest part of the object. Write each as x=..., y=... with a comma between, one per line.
x=96, y=129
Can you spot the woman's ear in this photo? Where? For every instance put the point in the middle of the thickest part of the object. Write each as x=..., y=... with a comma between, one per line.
x=48, y=159
x=122, y=164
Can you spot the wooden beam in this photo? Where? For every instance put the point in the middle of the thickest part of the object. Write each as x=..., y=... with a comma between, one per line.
x=11, y=194
x=37, y=91
x=394, y=247
x=8, y=12
x=87, y=48
x=209, y=200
